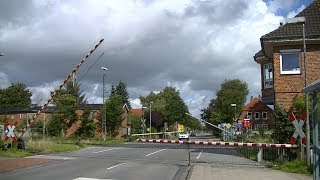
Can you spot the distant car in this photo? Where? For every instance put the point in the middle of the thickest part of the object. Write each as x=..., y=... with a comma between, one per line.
x=184, y=135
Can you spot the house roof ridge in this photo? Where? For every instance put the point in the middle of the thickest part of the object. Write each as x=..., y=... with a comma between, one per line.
x=293, y=31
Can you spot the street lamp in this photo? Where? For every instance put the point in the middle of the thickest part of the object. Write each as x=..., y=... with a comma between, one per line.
x=143, y=120
x=302, y=20
x=104, y=123
x=235, y=116
x=150, y=117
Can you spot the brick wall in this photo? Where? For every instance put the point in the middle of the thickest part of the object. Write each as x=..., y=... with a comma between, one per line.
x=287, y=87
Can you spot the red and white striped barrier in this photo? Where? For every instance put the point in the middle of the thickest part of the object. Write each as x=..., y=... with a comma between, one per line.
x=59, y=87
x=229, y=144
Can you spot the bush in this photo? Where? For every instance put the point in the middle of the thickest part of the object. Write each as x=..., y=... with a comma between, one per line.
x=56, y=125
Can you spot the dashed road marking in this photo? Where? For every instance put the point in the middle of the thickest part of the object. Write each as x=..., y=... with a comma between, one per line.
x=199, y=154
x=115, y=166
x=155, y=152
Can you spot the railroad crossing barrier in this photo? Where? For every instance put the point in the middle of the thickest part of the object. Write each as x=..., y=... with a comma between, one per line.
x=260, y=146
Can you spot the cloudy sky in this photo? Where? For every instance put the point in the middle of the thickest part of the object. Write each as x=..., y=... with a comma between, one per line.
x=193, y=45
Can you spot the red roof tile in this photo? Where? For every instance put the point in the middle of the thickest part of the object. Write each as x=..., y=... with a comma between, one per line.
x=257, y=105
x=137, y=112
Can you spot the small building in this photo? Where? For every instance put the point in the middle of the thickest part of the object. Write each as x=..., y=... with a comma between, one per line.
x=258, y=113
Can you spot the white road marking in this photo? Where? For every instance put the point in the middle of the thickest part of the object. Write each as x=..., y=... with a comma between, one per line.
x=83, y=178
x=115, y=166
x=104, y=150
x=87, y=148
x=155, y=152
x=199, y=154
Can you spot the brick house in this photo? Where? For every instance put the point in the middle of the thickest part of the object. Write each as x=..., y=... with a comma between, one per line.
x=282, y=59
x=258, y=113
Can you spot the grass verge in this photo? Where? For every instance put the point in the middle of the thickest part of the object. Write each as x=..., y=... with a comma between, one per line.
x=296, y=166
x=47, y=146
x=14, y=153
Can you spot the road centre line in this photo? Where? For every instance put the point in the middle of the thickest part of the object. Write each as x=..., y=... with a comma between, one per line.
x=199, y=154
x=155, y=152
x=115, y=166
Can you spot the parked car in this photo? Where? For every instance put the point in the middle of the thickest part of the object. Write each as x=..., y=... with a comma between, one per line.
x=184, y=135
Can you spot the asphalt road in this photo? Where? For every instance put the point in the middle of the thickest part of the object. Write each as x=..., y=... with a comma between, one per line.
x=129, y=161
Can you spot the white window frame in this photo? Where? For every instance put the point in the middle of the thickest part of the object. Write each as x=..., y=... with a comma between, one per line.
x=20, y=116
x=249, y=117
x=290, y=51
x=265, y=126
x=265, y=114
x=256, y=126
x=257, y=117
x=267, y=68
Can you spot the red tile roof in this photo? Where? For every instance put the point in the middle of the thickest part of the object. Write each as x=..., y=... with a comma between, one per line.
x=293, y=31
x=257, y=105
x=137, y=112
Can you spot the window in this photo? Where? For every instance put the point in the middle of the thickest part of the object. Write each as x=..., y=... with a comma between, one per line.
x=12, y=116
x=290, y=61
x=20, y=116
x=249, y=115
x=256, y=115
x=265, y=126
x=256, y=126
x=268, y=75
x=264, y=115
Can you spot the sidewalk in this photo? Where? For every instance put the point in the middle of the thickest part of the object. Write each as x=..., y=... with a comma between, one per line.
x=207, y=172
x=11, y=164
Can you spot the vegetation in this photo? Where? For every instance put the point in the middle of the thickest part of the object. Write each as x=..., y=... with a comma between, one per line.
x=294, y=167
x=87, y=127
x=219, y=109
x=114, y=114
x=16, y=95
x=169, y=103
x=283, y=128
x=121, y=89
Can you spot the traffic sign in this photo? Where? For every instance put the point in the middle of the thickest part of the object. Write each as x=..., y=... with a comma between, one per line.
x=246, y=123
x=228, y=125
x=9, y=131
x=298, y=126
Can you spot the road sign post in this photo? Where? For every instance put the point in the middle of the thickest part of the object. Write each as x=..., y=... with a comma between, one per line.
x=9, y=131
x=298, y=128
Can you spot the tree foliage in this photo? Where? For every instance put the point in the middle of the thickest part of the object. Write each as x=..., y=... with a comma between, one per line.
x=283, y=128
x=169, y=103
x=16, y=95
x=87, y=127
x=219, y=109
x=136, y=124
x=56, y=125
x=121, y=89
x=114, y=114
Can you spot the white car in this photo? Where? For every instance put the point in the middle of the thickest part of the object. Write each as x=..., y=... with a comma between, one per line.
x=184, y=135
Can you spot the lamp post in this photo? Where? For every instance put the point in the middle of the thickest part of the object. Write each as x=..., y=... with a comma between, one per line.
x=143, y=120
x=302, y=20
x=150, y=117
x=104, y=121
x=235, y=116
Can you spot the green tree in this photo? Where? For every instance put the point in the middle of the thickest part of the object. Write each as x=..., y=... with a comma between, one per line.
x=74, y=90
x=113, y=90
x=16, y=95
x=169, y=103
x=56, y=125
x=87, y=127
x=283, y=128
x=136, y=123
x=121, y=89
x=232, y=92
x=114, y=114
x=192, y=123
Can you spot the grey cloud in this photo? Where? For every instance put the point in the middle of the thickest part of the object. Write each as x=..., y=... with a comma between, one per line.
x=217, y=12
